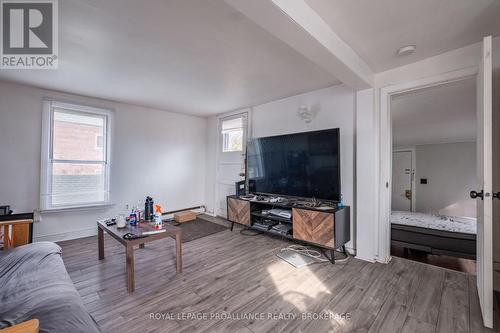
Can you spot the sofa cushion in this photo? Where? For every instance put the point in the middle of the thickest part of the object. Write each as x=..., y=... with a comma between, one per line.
x=35, y=284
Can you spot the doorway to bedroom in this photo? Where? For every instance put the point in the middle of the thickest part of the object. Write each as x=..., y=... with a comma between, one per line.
x=433, y=218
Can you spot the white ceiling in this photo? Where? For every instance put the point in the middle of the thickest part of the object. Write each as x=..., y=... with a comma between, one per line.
x=192, y=56
x=441, y=114
x=376, y=29
x=203, y=57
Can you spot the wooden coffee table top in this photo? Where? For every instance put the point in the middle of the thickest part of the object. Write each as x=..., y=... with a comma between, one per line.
x=117, y=233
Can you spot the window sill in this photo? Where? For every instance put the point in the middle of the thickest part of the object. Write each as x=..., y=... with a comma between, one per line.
x=76, y=208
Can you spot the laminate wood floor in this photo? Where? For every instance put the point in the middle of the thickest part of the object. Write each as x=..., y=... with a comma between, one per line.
x=454, y=263
x=235, y=283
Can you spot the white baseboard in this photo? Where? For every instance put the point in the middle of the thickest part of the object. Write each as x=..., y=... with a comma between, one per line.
x=384, y=260
x=351, y=251
x=372, y=260
x=210, y=214
x=66, y=235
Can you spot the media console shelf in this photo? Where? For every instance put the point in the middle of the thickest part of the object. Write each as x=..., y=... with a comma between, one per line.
x=325, y=228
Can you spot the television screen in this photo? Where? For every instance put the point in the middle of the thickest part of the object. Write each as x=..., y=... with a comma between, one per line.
x=302, y=165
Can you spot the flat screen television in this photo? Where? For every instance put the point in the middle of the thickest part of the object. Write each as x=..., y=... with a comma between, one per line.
x=300, y=165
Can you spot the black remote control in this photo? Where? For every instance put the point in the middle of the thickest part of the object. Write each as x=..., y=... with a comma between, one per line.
x=130, y=236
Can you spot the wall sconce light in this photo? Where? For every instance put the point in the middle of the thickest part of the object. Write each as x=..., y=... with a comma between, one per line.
x=306, y=114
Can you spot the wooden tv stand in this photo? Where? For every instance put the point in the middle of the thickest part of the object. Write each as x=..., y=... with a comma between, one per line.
x=325, y=228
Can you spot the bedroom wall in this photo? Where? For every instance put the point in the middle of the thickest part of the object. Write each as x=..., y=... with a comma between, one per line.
x=450, y=170
x=154, y=152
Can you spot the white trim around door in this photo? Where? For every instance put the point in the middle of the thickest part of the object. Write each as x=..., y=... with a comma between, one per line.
x=412, y=150
x=225, y=162
x=385, y=148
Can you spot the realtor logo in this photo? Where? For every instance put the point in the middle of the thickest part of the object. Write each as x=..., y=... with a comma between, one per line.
x=29, y=34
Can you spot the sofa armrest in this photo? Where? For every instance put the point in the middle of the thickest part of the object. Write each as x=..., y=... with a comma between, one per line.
x=30, y=326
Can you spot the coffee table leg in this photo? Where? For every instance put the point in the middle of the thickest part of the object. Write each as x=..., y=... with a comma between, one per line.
x=100, y=241
x=130, y=268
x=178, y=252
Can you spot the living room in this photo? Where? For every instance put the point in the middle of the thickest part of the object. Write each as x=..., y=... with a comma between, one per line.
x=141, y=188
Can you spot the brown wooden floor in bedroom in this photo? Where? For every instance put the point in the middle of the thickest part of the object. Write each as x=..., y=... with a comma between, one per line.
x=454, y=263
x=231, y=273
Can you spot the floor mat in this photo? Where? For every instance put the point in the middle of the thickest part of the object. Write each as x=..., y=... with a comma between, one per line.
x=197, y=229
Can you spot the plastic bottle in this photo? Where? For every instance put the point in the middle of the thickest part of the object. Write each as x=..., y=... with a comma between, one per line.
x=341, y=202
x=157, y=217
x=148, y=209
x=139, y=212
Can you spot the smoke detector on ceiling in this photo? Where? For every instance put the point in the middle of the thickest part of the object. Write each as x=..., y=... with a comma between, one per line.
x=406, y=50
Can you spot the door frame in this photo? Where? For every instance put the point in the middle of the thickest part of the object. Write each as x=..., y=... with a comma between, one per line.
x=385, y=148
x=412, y=150
x=248, y=112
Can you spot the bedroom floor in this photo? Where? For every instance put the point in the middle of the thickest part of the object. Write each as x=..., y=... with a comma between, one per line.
x=457, y=264
x=228, y=272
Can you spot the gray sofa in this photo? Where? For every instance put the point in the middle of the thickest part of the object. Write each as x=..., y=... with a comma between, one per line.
x=35, y=284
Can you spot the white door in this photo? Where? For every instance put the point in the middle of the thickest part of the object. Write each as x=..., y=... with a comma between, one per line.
x=496, y=181
x=402, y=172
x=231, y=157
x=484, y=195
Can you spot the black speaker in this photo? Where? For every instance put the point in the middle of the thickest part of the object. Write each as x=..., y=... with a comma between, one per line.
x=240, y=188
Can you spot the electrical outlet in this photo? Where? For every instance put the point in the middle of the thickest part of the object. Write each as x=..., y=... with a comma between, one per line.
x=37, y=216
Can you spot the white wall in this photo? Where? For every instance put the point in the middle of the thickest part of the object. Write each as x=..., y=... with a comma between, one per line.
x=465, y=57
x=334, y=107
x=366, y=176
x=154, y=152
x=211, y=164
x=450, y=170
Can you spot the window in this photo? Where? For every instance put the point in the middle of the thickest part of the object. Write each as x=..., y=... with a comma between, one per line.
x=232, y=135
x=99, y=141
x=75, y=156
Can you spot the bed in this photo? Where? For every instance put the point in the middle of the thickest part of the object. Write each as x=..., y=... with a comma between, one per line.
x=435, y=234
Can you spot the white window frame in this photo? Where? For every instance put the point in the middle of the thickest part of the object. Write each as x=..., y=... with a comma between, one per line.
x=97, y=141
x=220, y=137
x=243, y=117
x=46, y=153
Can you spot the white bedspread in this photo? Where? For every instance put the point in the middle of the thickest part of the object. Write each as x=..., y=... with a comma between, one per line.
x=437, y=222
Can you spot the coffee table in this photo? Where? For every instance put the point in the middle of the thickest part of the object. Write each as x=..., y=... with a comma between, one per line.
x=117, y=233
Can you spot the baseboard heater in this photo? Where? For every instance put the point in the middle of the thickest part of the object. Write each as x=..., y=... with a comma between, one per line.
x=201, y=207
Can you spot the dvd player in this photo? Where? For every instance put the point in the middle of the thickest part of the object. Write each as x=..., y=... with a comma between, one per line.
x=287, y=214
x=265, y=223
x=284, y=229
